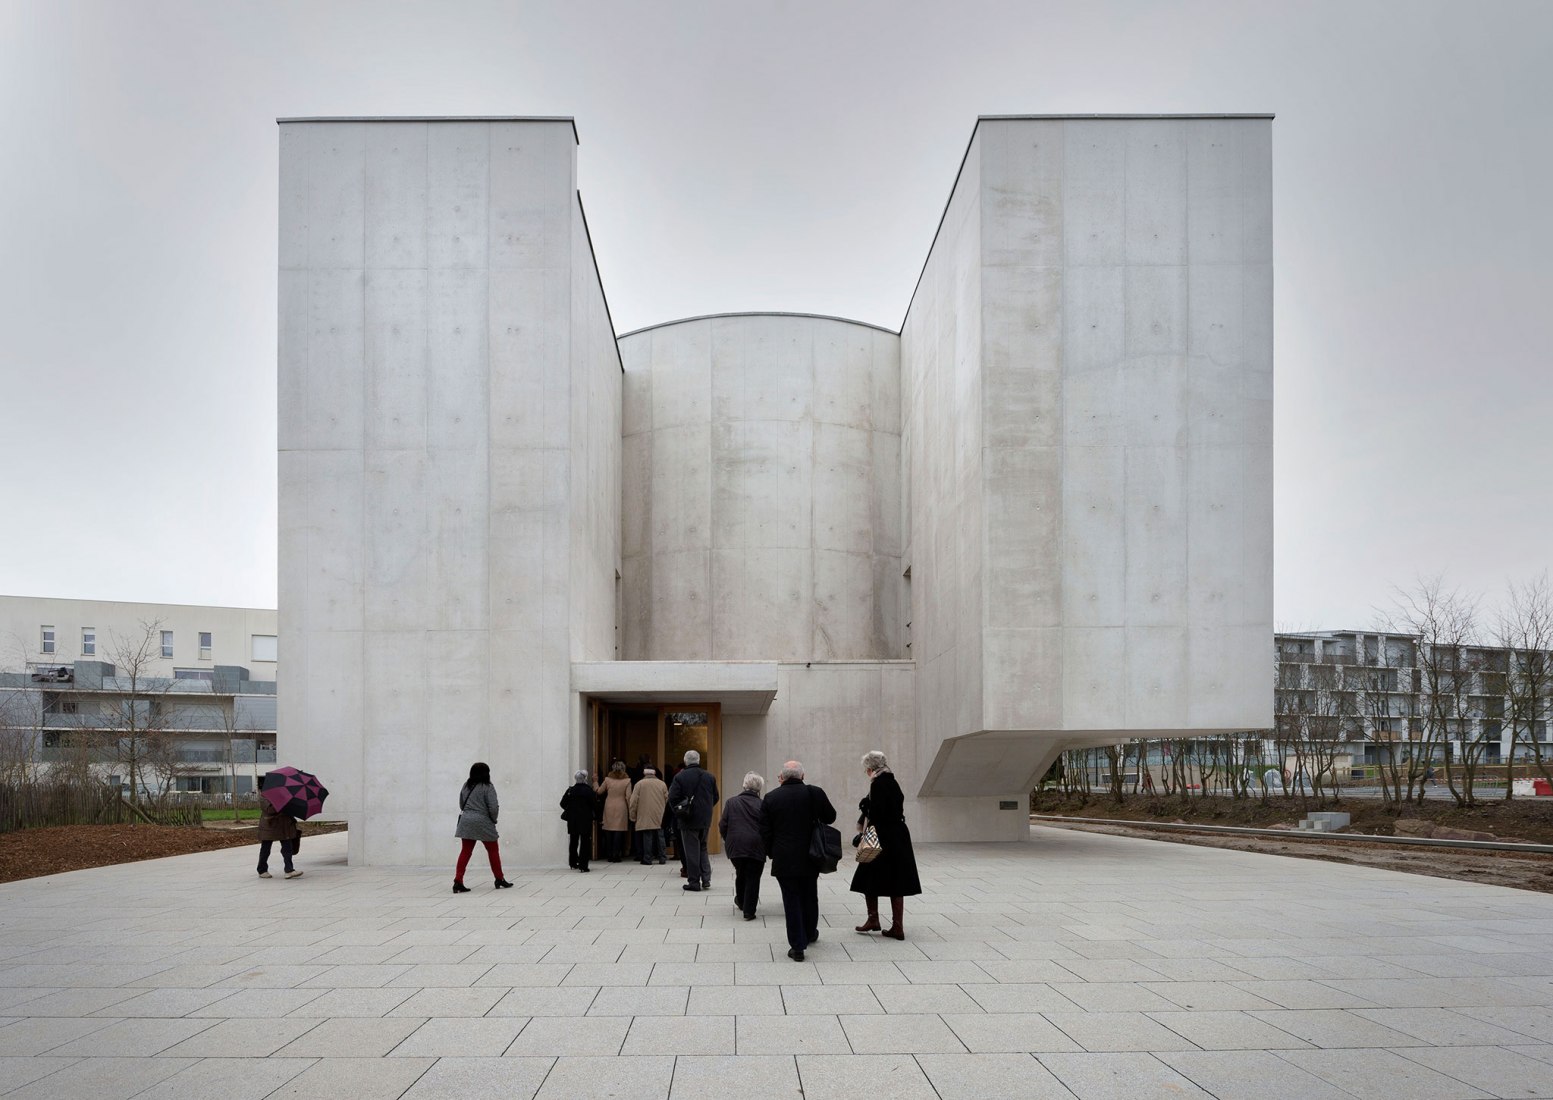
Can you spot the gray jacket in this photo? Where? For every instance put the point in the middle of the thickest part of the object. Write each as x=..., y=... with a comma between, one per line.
x=477, y=820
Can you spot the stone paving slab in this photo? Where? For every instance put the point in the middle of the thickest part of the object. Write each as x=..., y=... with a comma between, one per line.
x=1074, y=966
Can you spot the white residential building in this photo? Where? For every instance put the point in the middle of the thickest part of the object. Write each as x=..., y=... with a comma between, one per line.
x=77, y=675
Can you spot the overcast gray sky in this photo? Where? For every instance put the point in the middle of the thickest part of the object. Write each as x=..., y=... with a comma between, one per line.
x=789, y=156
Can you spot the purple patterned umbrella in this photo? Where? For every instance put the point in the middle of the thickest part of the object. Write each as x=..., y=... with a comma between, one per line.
x=293, y=792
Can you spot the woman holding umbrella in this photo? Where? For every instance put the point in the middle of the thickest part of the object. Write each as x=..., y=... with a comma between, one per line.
x=477, y=808
x=286, y=796
x=273, y=826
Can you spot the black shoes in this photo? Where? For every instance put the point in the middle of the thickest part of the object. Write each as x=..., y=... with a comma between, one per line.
x=503, y=884
x=460, y=888
x=692, y=887
x=795, y=954
x=749, y=916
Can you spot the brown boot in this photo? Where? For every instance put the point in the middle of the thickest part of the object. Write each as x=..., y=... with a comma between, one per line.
x=872, y=923
x=897, y=930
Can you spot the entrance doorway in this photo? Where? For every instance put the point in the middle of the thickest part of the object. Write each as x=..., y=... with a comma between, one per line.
x=658, y=736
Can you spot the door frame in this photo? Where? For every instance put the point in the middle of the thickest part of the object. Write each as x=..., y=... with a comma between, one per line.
x=598, y=723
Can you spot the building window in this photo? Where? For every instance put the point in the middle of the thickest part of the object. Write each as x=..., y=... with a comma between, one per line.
x=167, y=644
x=264, y=647
x=204, y=645
x=88, y=641
x=46, y=644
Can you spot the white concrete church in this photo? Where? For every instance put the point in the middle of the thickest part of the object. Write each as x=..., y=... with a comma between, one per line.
x=1039, y=516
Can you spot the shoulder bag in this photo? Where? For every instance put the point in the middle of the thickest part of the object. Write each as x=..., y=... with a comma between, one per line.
x=824, y=844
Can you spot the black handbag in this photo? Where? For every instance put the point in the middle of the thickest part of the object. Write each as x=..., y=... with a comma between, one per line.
x=824, y=845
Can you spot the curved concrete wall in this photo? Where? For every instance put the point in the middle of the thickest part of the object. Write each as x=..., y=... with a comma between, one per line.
x=761, y=500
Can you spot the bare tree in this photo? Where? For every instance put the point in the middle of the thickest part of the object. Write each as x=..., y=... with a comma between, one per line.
x=1525, y=630
x=1116, y=770
x=236, y=730
x=137, y=719
x=1384, y=709
x=1445, y=624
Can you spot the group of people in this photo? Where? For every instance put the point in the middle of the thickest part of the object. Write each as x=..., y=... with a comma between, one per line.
x=647, y=808
x=756, y=825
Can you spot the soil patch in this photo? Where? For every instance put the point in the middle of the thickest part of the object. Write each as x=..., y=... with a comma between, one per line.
x=1520, y=819
x=30, y=853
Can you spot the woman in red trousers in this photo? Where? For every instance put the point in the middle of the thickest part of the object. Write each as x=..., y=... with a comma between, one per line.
x=477, y=809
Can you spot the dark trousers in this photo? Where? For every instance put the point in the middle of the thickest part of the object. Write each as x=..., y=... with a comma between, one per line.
x=492, y=853
x=287, y=850
x=698, y=863
x=579, y=849
x=614, y=844
x=652, y=844
x=801, y=906
x=746, y=884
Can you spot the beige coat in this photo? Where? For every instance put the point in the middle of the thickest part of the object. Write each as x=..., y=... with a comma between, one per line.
x=616, y=794
x=648, y=799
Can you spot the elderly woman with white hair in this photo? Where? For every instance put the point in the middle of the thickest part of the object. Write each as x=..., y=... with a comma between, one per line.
x=577, y=812
x=743, y=815
x=893, y=873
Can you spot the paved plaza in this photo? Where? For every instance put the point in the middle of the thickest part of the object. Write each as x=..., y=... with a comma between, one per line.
x=1073, y=966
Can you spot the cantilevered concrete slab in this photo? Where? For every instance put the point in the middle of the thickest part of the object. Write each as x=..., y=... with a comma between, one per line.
x=739, y=687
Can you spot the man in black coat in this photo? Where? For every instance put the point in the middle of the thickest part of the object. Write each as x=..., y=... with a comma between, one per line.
x=699, y=785
x=791, y=813
x=577, y=811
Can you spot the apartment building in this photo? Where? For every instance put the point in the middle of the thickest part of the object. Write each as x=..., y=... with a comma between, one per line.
x=167, y=697
x=1377, y=691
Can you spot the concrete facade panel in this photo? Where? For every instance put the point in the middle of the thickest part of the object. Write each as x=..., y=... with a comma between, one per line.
x=1156, y=517
x=294, y=320
x=1094, y=318
x=1215, y=192
x=459, y=526
x=758, y=453
x=1156, y=192
x=1092, y=660
x=1094, y=188
x=458, y=176
x=397, y=386
x=334, y=383
x=336, y=517
x=1156, y=310
x=1154, y=684
x=1094, y=536
x=336, y=209
x=395, y=189
x=397, y=580
x=458, y=359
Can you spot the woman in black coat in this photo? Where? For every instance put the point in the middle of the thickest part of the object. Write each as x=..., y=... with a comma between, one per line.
x=740, y=828
x=577, y=811
x=893, y=873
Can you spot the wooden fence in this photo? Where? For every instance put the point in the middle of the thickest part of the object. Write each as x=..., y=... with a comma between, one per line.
x=37, y=805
